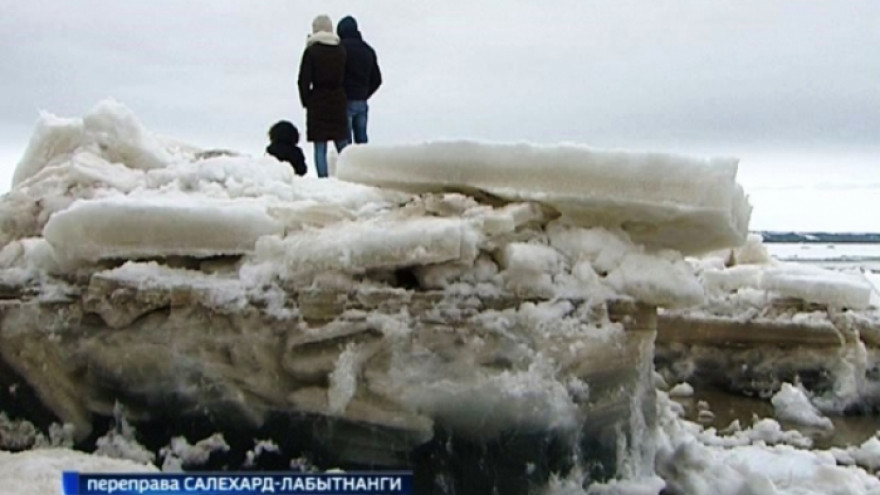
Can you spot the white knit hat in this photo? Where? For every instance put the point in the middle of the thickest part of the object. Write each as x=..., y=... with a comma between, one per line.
x=322, y=23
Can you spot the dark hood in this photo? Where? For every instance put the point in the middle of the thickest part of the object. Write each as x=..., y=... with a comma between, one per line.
x=348, y=28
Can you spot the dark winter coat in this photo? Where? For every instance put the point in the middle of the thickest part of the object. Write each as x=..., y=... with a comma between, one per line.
x=321, y=72
x=362, y=74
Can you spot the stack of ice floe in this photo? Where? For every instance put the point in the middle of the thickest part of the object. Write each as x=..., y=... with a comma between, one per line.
x=480, y=291
x=445, y=295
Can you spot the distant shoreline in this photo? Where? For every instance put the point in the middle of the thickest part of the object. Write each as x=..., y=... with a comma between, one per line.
x=820, y=237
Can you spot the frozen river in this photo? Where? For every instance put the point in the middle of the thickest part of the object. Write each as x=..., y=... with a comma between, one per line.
x=837, y=255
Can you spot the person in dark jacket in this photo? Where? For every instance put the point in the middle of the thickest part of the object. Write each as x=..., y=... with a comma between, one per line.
x=362, y=76
x=283, y=145
x=321, y=73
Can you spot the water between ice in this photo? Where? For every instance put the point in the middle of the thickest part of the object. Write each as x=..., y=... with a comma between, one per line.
x=726, y=408
x=848, y=430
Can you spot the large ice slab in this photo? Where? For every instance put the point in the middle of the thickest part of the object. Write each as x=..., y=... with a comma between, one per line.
x=126, y=227
x=818, y=285
x=661, y=200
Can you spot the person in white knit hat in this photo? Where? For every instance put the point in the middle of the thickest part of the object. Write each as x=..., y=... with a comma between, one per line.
x=321, y=73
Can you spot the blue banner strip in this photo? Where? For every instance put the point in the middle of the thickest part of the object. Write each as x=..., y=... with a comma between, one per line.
x=243, y=483
x=71, y=483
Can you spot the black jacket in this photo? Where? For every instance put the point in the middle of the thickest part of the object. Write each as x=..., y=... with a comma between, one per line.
x=321, y=74
x=362, y=74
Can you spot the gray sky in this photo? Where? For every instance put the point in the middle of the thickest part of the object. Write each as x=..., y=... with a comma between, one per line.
x=723, y=76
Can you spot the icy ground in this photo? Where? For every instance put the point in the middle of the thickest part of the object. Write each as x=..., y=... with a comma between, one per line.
x=629, y=220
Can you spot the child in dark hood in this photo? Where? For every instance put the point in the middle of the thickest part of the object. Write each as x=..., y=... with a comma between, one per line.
x=284, y=137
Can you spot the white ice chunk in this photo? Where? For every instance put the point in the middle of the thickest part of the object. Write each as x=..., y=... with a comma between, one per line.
x=818, y=285
x=440, y=275
x=788, y=470
x=661, y=200
x=180, y=452
x=28, y=261
x=715, y=260
x=53, y=137
x=521, y=256
x=124, y=227
x=792, y=404
x=583, y=282
x=874, y=279
x=221, y=291
x=343, y=379
x=87, y=167
x=122, y=138
x=753, y=252
x=732, y=279
x=528, y=268
x=683, y=389
x=31, y=254
x=656, y=280
x=868, y=454
x=602, y=248
x=123, y=445
x=506, y=219
x=261, y=447
x=355, y=247
x=109, y=130
x=298, y=214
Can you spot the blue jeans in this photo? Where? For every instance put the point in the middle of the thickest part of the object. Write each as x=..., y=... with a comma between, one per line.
x=357, y=121
x=321, y=154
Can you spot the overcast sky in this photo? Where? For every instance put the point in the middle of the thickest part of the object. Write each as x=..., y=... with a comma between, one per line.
x=737, y=77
